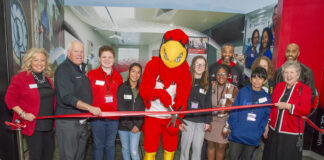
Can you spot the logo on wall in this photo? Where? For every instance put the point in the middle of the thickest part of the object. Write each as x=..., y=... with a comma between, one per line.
x=19, y=32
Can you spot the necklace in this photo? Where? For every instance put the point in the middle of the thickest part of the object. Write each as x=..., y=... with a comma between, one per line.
x=37, y=79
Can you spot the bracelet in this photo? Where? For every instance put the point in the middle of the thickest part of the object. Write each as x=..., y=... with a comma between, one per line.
x=22, y=111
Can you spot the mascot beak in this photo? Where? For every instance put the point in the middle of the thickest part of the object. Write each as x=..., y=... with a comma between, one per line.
x=173, y=53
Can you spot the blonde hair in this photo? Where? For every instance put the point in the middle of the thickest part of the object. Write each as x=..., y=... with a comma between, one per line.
x=257, y=61
x=26, y=66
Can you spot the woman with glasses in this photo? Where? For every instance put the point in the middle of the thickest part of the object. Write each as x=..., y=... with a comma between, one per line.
x=197, y=123
x=223, y=94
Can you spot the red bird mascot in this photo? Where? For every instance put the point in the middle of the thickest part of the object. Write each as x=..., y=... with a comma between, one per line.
x=165, y=86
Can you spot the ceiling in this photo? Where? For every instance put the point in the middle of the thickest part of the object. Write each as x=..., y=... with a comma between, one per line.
x=139, y=25
x=142, y=26
x=231, y=6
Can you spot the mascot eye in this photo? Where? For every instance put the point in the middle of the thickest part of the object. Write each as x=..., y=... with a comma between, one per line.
x=165, y=56
x=179, y=58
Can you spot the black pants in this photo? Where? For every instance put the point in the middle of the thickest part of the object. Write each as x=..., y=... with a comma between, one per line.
x=41, y=145
x=239, y=151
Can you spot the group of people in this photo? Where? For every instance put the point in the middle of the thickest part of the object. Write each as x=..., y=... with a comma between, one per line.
x=253, y=52
x=31, y=94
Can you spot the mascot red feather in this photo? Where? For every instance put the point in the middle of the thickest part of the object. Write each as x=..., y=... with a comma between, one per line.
x=165, y=86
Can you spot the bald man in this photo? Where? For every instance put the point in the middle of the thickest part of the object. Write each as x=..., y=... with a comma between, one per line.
x=73, y=95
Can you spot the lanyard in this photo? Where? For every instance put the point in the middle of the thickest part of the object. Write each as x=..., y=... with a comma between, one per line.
x=103, y=73
x=220, y=96
x=255, y=98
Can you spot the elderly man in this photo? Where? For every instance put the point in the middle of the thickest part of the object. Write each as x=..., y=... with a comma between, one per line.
x=236, y=71
x=73, y=95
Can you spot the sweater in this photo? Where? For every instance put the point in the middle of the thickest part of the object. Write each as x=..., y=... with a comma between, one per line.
x=248, y=124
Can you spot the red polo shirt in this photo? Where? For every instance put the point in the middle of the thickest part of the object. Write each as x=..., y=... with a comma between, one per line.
x=104, y=89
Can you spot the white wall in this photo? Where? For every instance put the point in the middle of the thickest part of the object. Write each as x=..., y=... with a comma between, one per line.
x=153, y=46
x=84, y=31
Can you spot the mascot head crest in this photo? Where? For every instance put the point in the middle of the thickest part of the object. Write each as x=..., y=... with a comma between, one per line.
x=173, y=50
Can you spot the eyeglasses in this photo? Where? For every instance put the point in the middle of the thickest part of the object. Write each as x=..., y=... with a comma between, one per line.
x=221, y=74
x=199, y=65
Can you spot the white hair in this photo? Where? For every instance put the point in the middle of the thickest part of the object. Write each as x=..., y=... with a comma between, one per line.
x=294, y=64
x=71, y=43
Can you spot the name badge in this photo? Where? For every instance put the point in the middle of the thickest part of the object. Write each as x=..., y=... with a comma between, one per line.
x=127, y=96
x=31, y=86
x=265, y=89
x=82, y=121
x=251, y=117
x=228, y=95
x=252, y=55
x=202, y=91
x=100, y=83
x=108, y=99
x=194, y=105
x=262, y=100
x=222, y=102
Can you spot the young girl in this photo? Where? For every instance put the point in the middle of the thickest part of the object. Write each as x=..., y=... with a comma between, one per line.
x=197, y=123
x=129, y=129
x=223, y=94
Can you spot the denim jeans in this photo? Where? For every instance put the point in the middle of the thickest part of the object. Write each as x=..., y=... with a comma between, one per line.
x=129, y=143
x=104, y=133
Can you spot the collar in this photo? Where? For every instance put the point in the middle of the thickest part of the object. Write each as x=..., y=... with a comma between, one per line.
x=83, y=65
x=112, y=70
x=231, y=65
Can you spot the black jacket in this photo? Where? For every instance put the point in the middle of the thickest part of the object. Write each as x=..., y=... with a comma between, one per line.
x=198, y=95
x=126, y=102
x=306, y=77
x=71, y=85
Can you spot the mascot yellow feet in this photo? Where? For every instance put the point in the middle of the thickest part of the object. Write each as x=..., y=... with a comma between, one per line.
x=168, y=155
x=149, y=156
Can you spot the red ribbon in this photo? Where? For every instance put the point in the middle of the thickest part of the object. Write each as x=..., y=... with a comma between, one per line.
x=16, y=125
x=146, y=113
x=313, y=125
